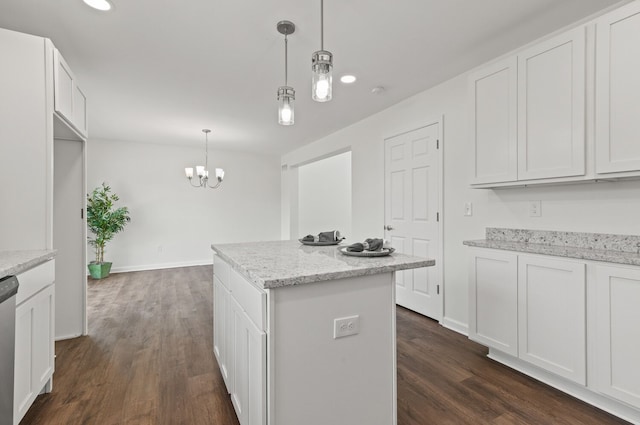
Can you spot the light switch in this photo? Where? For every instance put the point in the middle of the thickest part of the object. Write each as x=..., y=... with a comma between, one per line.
x=535, y=208
x=468, y=209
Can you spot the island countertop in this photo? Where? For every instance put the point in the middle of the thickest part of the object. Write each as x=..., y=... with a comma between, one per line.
x=284, y=263
x=16, y=262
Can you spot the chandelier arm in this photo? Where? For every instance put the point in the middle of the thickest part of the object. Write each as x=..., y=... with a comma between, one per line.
x=194, y=185
x=216, y=185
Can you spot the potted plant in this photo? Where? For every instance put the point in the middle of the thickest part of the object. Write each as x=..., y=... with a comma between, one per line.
x=104, y=221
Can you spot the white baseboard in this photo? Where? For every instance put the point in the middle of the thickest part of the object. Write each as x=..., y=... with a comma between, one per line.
x=143, y=267
x=581, y=392
x=454, y=325
x=63, y=337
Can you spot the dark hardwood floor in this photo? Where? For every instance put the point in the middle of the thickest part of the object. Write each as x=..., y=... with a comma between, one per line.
x=149, y=360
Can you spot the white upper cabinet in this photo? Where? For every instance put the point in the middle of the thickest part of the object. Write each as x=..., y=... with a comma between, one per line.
x=70, y=103
x=551, y=108
x=494, y=91
x=528, y=114
x=618, y=90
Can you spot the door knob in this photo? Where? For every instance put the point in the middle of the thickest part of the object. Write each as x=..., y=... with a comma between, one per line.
x=387, y=227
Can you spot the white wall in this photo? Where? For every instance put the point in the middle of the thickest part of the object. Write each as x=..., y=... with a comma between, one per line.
x=173, y=224
x=591, y=207
x=324, y=196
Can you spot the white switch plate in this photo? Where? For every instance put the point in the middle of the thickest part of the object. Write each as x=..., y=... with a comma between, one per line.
x=468, y=209
x=345, y=326
x=535, y=208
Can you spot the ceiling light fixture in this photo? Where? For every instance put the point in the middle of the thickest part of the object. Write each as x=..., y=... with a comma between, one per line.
x=321, y=65
x=286, y=94
x=348, y=79
x=103, y=5
x=203, y=172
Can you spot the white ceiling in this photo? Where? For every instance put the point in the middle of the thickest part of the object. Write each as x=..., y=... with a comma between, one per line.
x=161, y=70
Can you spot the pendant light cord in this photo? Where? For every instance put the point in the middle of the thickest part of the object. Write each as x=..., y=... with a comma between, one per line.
x=321, y=24
x=286, y=49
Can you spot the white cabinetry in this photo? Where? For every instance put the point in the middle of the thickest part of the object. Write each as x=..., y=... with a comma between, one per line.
x=528, y=114
x=617, y=90
x=70, y=102
x=618, y=333
x=493, y=300
x=552, y=315
x=34, y=355
x=494, y=91
x=240, y=342
x=551, y=108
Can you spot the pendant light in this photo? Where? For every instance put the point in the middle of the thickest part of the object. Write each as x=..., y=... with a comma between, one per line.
x=321, y=65
x=203, y=171
x=286, y=94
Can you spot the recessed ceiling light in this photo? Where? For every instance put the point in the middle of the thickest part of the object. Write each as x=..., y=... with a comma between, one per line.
x=99, y=4
x=348, y=79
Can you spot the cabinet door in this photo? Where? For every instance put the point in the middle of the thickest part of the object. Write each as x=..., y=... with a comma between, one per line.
x=43, y=337
x=551, y=108
x=493, y=300
x=618, y=333
x=34, y=355
x=494, y=123
x=69, y=101
x=24, y=391
x=220, y=317
x=250, y=353
x=552, y=315
x=617, y=89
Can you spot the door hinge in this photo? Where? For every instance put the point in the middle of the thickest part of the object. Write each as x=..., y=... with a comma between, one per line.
x=81, y=212
x=437, y=216
x=438, y=289
x=437, y=144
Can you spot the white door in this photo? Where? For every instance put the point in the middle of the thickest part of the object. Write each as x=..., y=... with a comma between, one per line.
x=69, y=238
x=412, y=214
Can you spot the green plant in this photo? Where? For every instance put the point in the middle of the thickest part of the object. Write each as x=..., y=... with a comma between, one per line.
x=103, y=219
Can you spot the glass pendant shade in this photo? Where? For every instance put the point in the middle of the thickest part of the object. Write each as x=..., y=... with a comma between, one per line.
x=322, y=79
x=286, y=100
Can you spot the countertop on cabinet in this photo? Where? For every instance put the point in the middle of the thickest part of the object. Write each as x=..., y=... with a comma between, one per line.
x=284, y=263
x=16, y=262
x=610, y=248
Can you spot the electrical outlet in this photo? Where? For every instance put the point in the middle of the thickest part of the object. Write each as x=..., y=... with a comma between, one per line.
x=345, y=326
x=159, y=249
x=535, y=208
x=468, y=209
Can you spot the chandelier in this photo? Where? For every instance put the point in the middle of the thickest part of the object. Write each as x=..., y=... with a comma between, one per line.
x=203, y=171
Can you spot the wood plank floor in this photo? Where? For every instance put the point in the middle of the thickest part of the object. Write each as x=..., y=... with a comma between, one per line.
x=149, y=360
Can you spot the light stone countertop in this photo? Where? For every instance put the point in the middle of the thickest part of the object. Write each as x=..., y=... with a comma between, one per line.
x=610, y=248
x=284, y=263
x=15, y=262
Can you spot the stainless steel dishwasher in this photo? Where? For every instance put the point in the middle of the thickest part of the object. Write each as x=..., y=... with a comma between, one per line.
x=8, y=291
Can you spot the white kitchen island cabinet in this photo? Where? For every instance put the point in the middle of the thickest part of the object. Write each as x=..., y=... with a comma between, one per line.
x=283, y=362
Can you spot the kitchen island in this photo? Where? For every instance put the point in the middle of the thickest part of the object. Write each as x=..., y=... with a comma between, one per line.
x=305, y=334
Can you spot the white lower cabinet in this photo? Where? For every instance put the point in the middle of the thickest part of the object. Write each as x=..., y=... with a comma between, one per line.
x=493, y=300
x=34, y=349
x=240, y=344
x=249, y=375
x=552, y=315
x=220, y=324
x=618, y=333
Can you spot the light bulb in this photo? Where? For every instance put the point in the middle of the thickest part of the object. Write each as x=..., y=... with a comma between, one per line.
x=322, y=89
x=321, y=84
x=286, y=100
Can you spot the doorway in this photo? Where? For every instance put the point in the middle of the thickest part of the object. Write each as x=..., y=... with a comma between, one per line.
x=413, y=214
x=69, y=238
x=324, y=195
